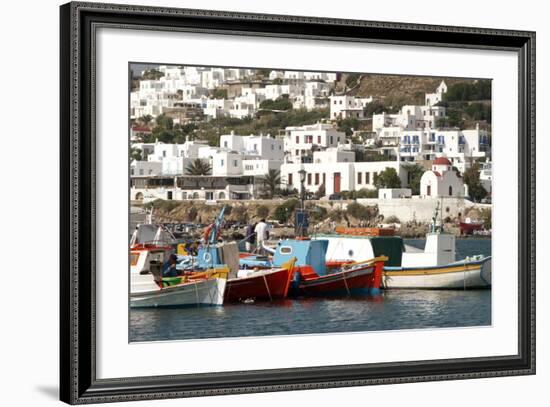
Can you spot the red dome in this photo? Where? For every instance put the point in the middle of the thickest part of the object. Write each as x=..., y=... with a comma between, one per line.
x=441, y=161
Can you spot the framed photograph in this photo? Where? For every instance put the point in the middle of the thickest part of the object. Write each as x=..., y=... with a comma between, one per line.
x=254, y=203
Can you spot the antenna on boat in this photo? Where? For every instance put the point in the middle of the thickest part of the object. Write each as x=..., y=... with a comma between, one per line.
x=434, y=219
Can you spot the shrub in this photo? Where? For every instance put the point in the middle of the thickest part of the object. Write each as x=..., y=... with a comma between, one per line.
x=358, y=211
x=284, y=211
x=191, y=214
x=336, y=215
x=393, y=219
x=318, y=213
x=262, y=211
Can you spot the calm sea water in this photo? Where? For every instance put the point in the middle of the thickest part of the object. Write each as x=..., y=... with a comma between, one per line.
x=394, y=309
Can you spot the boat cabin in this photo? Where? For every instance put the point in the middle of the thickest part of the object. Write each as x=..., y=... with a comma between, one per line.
x=307, y=253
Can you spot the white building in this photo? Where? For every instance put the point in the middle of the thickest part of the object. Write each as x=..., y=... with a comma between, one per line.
x=442, y=181
x=301, y=141
x=337, y=177
x=486, y=176
x=263, y=146
x=333, y=155
x=344, y=107
x=316, y=95
x=434, y=98
x=258, y=167
x=145, y=168
x=224, y=162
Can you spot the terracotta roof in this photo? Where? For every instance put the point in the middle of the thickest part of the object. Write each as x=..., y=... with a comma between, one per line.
x=142, y=129
x=441, y=161
x=437, y=173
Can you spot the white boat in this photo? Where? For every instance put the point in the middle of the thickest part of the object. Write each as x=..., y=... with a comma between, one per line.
x=466, y=274
x=145, y=292
x=435, y=267
x=151, y=246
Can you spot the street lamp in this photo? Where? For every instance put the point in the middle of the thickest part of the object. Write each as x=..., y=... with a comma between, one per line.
x=301, y=221
x=302, y=174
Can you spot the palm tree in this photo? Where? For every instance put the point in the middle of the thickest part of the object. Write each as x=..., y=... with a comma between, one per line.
x=145, y=120
x=271, y=181
x=198, y=167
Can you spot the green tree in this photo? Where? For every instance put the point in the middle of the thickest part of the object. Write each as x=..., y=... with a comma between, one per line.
x=198, y=167
x=348, y=125
x=375, y=107
x=352, y=79
x=165, y=122
x=387, y=179
x=151, y=74
x=414, y=173
x=479, y=90
x=219, y=93
x=135, y=154
x=145, y=120
x=271, y=182
x=281, y=103
x=471, y=178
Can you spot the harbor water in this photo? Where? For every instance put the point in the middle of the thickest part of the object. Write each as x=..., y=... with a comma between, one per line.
x=392, y=310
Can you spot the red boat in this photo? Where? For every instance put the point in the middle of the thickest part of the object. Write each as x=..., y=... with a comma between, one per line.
x=467, y=228
x=352, y=279
x=264, y=284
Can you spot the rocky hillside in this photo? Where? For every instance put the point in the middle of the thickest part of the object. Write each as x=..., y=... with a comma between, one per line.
x=394, y=89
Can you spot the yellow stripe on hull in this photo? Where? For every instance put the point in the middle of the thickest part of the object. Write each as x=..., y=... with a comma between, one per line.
x=425, y=272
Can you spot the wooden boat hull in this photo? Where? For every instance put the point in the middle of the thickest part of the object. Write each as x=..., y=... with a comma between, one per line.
x=457, y=276
x=191, y=294
x=260, y=285
x=355, y=281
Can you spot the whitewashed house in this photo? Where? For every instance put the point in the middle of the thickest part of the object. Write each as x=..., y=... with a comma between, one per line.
x=337, y=176
x=344, y=107
x=442, y=181
x=333, y=155
x=434, y=98
x=301, y=141
x=145, y=168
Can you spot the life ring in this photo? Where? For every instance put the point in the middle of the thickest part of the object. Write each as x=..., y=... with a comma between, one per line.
x=207, y=257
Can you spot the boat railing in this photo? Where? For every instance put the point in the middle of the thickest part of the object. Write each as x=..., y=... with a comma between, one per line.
x=365, y=262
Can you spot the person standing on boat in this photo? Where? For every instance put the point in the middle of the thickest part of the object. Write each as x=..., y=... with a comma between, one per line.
x=262, y=234
x=250, y=237
x=169, y=267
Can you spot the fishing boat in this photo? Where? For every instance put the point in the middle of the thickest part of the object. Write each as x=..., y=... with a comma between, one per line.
x=194, y=289
x=469, y=273
x=469, y=226
x=260, y=284
x=312, y=277
x=150, y=247
x=352, y=279
x=435, y=267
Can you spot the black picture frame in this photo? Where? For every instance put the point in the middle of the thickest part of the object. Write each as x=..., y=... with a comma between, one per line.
x=78, y=382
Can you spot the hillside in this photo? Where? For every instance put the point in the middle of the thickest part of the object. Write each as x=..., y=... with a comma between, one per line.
x=398, y=90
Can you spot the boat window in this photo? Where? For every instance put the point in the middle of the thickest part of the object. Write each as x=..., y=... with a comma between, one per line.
x=350, y=253
x=286, y=250
x=134, y=258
